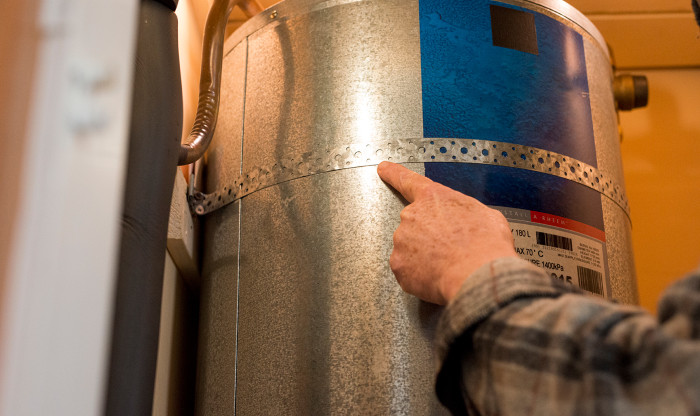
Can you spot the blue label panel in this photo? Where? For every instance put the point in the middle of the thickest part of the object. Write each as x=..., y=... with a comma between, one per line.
x=523, y=189
x=536, y=96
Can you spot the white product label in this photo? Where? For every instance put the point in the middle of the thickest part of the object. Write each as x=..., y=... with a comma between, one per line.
x=569, y=256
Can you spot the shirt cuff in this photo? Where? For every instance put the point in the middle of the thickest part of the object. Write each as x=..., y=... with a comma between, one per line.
x=491, y=287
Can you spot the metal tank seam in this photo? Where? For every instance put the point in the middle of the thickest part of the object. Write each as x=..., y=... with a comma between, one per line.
x=238, y=291
x=487, y=152
x=240, y=216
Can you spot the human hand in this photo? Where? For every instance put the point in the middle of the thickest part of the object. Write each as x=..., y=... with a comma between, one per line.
x=443, y=237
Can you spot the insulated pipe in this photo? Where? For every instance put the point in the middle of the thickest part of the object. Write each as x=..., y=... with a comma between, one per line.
x=155, y=133
x=171, y=4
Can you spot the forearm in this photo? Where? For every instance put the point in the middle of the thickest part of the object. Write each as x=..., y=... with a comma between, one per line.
x=514, y=341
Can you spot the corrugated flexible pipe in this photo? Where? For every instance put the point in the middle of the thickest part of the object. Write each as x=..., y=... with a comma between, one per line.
x=210, y=78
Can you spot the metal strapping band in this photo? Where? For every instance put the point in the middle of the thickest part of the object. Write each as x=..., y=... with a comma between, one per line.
x=408, y=151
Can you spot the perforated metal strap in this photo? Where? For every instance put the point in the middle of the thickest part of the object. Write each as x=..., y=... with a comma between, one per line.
x=355, y=155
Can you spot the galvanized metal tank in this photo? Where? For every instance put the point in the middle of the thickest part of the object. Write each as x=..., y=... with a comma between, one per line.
x=511, y=102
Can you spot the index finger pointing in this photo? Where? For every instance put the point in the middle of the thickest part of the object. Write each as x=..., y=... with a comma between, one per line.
x=408, y=183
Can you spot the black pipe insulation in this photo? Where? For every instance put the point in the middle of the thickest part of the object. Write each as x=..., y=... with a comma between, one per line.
x=156, y=128
x=171, y=4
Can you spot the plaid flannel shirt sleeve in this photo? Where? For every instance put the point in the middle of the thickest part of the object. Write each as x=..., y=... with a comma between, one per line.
x=516, y=342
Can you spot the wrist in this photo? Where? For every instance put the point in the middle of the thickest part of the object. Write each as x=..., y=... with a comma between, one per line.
x=451, y=286
x=454, y=278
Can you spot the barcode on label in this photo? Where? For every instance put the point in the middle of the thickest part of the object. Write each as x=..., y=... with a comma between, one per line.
x=590, y=280
x=553, y=240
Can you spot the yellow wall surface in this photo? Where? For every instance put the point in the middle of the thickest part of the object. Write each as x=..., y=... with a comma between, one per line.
x=660, y=154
